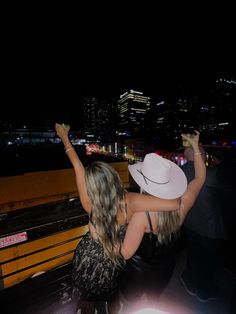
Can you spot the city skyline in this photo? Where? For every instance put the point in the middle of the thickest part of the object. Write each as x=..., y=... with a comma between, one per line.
x=38, y=99
x=154, y=52
x=41, y=90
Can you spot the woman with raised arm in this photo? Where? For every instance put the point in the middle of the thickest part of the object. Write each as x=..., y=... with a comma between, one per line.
x=149, y=244
x=100, y=256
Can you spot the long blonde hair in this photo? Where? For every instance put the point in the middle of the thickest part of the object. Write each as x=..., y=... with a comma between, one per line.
x=168, y=224
x=107, y=195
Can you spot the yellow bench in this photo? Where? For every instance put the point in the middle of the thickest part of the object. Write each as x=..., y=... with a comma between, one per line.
x=27, y=192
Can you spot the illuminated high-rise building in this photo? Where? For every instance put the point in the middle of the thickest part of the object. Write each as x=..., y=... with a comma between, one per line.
x=133, y=107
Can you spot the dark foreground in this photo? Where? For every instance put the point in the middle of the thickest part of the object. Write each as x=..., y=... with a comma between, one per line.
x=50, y=294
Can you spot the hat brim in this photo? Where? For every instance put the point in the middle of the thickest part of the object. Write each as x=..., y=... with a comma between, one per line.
x=173, y=189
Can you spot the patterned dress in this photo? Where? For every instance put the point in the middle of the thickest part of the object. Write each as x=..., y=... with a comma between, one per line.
x=94, y=275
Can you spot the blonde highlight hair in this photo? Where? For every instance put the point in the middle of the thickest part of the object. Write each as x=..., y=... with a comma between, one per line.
x=107, y=196
x=168, y=223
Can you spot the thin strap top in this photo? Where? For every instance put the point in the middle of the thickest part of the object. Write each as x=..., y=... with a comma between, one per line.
x=149, y=221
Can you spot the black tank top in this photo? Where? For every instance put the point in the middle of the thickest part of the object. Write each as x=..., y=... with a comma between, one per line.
x=150, y=248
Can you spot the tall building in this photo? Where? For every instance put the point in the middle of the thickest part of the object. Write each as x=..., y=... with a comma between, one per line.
x=133, y=107
x=161, y=116
x=211, y=110
x=187, y=113
x=90, y=115
x=96, y=118
x=222, y=100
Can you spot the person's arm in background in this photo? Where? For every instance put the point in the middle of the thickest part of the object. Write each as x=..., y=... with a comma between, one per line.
x=194, y=187
x=62, y=131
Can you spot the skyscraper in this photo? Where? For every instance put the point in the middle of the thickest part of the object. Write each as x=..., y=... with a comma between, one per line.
x=96, y=116
x=132, y=107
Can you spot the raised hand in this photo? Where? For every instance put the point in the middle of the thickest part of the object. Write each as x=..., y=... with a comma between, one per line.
x=62, y=130
x=193, y=139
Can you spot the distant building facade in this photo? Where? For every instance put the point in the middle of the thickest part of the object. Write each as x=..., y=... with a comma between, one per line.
x=132, y=108
x=96, y=116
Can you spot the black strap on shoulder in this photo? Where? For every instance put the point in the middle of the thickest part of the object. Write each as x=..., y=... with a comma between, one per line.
x=149, y=221
x=126, y=213
x=91, y=218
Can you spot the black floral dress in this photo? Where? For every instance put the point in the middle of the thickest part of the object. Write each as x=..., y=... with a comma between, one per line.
x=94, y=275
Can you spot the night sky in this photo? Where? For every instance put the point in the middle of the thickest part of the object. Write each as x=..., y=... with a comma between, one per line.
x=42, y=95
x=42, y=74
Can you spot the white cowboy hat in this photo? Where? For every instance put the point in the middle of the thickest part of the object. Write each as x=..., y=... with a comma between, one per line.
x=159, y=177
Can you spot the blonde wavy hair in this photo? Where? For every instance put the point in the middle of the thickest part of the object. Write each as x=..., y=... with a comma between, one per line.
x=107, y=196
x=168, y=224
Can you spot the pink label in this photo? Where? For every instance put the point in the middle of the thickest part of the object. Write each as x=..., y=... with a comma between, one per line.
x=15, y=238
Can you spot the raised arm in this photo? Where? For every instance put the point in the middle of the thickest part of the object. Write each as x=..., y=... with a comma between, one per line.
x=62, y=131
x=196, y=184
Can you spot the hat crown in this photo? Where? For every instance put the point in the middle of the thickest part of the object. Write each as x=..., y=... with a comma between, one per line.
x=159, y=176
x=156, y=169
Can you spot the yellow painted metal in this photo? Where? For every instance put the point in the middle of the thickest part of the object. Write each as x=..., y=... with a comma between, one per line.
x=49, y=252
x=36, y=188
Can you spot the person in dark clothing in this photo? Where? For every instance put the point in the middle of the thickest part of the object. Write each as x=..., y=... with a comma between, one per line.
x=204, y=231
x=225, y=173
x=149, y=269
